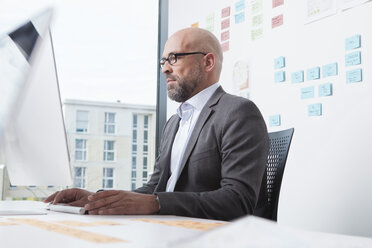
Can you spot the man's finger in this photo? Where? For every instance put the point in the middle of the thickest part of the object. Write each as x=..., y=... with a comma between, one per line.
x=102, y=202
x=51, y=197
x=102, y=194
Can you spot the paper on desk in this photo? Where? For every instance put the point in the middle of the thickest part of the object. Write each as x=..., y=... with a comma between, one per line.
x=257, y=232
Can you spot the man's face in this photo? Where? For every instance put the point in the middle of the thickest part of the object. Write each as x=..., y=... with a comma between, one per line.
x=183, y=77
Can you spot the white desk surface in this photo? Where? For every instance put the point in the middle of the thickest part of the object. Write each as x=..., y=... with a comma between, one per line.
x=84, y=231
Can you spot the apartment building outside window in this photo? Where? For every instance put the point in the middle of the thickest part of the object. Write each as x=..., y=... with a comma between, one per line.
x=109, y=123
x=108, y=152
x=80, y=150
x=82, y=120
x=108, y=178
x=80, y=177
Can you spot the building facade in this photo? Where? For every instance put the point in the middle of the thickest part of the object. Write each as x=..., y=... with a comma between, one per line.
x=112, y=145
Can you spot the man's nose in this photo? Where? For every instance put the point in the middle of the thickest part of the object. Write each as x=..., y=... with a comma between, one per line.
x=167, y=68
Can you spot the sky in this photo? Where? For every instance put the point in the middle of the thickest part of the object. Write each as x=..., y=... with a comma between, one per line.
x=104, y=50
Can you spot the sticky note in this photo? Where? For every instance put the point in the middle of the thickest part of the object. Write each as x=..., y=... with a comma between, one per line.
x=209, y=22
x=277, y=3
x=354, y=76
x=314, y=109
x=256, y=33
x=279, y=62
x=195, y=25
x=239, y=5
x=225, y=24
x=225, y=12
x=279, y=76
x=256, y=6
x=325, y=89
x=329, y=70
x=274, y=120
x=257, y=20
x=225, y=46
x=297, y=77
x=277, y=21
x=225, y=35
x=239, y=18
x=307, y=92
x=353, y=58
x=313, y=73
x=352, y=42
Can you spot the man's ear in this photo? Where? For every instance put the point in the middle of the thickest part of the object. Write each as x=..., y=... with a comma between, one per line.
x=209, y=62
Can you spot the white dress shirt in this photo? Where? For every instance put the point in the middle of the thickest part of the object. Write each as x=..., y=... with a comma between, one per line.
x=189, y=112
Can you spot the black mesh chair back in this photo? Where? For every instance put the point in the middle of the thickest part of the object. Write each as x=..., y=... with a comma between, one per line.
x=279, y=146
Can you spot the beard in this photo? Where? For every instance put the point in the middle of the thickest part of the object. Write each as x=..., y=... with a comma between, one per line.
x=184, y=88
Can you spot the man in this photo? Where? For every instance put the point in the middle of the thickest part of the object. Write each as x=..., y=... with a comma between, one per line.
x=213, y=153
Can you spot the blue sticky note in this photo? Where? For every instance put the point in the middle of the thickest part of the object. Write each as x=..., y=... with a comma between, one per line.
x=239, y=5
x=354, y=76
x=352, y=42
x=329, y=70
x=313, y=73
x=239, y=18
x=325, y=89
x=279, y=62
x=274, y=121
x=297, y=77
x=279, y=76
x=353, y=58
x=314, y=109
x=307, y=92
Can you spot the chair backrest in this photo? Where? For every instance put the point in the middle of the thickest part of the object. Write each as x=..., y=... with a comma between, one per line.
x=279, y=146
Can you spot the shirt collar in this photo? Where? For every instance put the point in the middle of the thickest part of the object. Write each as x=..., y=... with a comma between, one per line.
x=199, y=100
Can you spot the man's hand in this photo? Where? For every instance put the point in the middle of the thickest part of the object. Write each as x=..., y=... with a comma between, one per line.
x=112, y=202
x=73, y=197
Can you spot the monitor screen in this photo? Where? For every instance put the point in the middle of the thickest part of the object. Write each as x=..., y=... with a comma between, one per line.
x=32, y=131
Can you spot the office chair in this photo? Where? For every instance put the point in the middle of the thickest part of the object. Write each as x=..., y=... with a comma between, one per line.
x=279, y=146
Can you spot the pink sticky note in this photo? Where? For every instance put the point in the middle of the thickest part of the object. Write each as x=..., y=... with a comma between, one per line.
x=225, y=46
x=225, y=12
x=225, y=24
x=277, y=21
x=277, y=3
x=225, y=35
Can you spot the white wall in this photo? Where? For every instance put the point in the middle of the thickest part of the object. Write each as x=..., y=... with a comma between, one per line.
x=327, y=183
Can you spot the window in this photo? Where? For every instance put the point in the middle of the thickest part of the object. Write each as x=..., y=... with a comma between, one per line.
x=134, y=162
x=108, y=178
x=109, y=123
x=145, y=163
x=133, y=186
x=134, y=174
x=144, y=175
x=135, y=117
x=134, y=148
x=108, y=153
x=145, y=148
x=82, y=121
x=146, y=121
x=80, y=150
x=79, y=177
x=134, y=138
x=145, y=136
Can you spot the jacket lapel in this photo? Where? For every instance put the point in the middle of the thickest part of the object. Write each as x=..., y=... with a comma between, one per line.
x=169, y=136
x=203, y=117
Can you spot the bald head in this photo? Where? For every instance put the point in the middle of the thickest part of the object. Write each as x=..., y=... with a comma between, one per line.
x=197, y=39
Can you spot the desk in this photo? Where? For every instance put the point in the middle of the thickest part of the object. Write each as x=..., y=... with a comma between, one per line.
x=83, y=231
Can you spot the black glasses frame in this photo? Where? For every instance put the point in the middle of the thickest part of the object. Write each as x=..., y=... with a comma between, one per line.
x=174, y=56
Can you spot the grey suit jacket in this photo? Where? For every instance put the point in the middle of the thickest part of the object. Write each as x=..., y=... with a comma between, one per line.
x=223, y=165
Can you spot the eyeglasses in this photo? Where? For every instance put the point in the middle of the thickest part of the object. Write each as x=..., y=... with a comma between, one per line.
x=172, y=58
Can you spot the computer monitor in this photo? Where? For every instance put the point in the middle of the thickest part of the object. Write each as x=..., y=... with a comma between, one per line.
x=32, y=132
